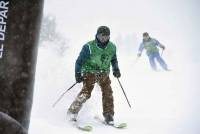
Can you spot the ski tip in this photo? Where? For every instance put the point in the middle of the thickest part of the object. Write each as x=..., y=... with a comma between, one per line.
x=85, y=128
x=121, y=125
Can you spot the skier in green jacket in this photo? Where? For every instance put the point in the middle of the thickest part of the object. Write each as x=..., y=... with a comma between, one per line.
x=93, y=66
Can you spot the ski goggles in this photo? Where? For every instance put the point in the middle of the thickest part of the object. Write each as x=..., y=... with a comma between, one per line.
x=103, y=38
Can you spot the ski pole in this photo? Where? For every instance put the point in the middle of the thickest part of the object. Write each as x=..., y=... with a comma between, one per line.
x=63, y=94
x=124, y=93
x=162, y=52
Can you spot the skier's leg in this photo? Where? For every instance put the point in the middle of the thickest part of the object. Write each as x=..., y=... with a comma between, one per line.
x=88, y=85
x=161, y=61
x=152, y=61
x=107, y=96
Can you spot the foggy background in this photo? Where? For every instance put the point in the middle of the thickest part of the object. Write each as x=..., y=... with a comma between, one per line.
x=163, y=102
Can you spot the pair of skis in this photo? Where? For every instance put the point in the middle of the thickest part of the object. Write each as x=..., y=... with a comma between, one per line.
x=89, y=128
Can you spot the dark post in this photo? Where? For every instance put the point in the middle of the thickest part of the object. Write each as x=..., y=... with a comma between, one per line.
x=19, y=32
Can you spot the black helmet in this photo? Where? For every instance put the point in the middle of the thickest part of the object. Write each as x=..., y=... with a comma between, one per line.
x=103, y=30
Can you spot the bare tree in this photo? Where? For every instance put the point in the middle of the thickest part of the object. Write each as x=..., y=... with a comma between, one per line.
x=51, y=36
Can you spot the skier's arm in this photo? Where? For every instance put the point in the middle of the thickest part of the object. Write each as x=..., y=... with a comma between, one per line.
x=159, y=44
x=115, y=67
x=141, y=48
x=83, y=56
x=114, y=63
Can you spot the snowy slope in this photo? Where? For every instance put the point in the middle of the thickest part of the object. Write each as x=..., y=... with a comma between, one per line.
x=162, y=102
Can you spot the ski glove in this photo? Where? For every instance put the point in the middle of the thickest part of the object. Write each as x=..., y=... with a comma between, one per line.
x=79, y=77
x=117, y=73
x=163, y=47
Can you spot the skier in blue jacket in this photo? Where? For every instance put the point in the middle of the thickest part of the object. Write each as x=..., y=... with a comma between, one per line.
x=151, y=46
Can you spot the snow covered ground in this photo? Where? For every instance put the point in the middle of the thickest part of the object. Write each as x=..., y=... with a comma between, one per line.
x=162, y=102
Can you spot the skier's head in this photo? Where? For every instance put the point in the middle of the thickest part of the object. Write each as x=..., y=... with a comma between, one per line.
x=103, y=34
x=146, y=36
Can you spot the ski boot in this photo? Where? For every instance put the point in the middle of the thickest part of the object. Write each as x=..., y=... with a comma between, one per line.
x=72, y=116
x=109, y=119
